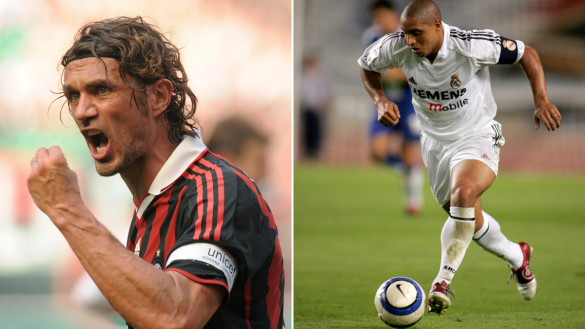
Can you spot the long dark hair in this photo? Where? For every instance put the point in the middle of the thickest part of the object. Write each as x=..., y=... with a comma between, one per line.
x=145, y=56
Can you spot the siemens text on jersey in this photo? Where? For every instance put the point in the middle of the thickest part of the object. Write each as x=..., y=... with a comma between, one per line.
x=442, y=95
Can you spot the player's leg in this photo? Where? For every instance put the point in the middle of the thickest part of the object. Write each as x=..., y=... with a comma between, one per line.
x=479, y=219
x=383, y=143
x=312, y=133
x=412, y=178
x=463, y=193
x=383, y=148
x=469, y=179
x=488, y=235
x=490, y=238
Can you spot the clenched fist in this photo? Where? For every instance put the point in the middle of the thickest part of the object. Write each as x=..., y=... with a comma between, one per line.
x=388, y=114
x=52, y=185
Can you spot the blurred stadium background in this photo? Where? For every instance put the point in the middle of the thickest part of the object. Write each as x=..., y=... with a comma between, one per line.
x=238, y=57
x=350, y=228
x=332, y=29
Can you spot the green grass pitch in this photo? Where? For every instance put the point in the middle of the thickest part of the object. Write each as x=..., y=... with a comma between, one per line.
x=351, y=234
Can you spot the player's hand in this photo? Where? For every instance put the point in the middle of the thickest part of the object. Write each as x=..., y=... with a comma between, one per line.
x=388, y=114
x=52, y=185
x=548, y=114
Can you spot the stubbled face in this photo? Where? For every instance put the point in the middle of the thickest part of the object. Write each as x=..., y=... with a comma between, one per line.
x=385, y=19
x=115, y=130
x=424, y=39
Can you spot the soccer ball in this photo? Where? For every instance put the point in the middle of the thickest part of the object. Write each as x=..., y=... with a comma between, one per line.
x=400, y=302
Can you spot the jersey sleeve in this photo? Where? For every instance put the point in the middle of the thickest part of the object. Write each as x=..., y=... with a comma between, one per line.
x=511, y=51
x=487, y=47
x=378, y=57
x=222, y=238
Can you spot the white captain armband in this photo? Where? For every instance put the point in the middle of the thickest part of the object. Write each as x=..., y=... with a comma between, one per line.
x=511, y=51
x=210, y=255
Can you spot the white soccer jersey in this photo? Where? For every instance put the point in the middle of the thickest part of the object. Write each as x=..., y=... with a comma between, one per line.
x=452, y=96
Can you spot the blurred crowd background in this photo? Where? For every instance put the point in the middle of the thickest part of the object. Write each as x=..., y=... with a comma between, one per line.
x=237, y=54
x=328, y=37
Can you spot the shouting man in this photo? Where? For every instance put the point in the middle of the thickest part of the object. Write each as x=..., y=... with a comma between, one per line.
x=203, y=249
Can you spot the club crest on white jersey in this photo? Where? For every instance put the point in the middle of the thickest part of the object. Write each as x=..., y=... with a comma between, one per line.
x=455, y=82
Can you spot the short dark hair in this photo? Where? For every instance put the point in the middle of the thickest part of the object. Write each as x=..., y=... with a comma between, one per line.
x=382, y=4
x=145, y=55
x=425, y=10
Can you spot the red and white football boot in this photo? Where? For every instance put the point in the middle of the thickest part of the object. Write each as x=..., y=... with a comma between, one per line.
x=524, y=277
x=439, y=299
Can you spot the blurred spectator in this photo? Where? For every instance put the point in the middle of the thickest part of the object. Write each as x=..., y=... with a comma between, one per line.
x=316, y=94
x=397, y=146
x=241, y=143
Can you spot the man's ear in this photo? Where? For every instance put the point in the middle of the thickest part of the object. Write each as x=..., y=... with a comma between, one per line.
x=159, y=97
x=438, y=24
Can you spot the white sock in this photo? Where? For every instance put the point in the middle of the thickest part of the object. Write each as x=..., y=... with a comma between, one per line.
x=490, y=238
x=412, y=182
x=455, y=238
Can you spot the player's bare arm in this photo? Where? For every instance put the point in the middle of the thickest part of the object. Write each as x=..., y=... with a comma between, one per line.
x=395, y=74
x=388, y=113
x=544, y=110
x=142, y=294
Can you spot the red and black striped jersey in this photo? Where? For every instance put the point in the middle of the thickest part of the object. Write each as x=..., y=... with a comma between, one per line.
x=210, y=223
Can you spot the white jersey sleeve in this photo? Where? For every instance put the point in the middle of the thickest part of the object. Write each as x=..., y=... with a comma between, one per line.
x=486, y=47
x=379, y=56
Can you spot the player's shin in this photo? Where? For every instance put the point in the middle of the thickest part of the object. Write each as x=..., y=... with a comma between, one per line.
x=490, y=238
x=455, y=238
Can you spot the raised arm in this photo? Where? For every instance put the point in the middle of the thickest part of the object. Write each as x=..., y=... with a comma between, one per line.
x=388, y=113
x=143, y=295
x=544, y=110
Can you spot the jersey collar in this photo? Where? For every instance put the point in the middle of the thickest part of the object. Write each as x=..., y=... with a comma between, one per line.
x=181, y=158
x=188, y=151
x=444, y=51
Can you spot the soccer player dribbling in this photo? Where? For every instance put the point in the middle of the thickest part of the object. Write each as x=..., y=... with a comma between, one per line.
x=203, y=249
x=448, y=73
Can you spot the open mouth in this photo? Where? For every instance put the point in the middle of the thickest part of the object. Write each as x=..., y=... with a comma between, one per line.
x=98, y=143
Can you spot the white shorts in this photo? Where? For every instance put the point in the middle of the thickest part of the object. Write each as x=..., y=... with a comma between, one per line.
x=441, y=157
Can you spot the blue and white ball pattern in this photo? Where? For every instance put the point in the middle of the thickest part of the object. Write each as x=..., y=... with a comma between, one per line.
x=400, y=302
